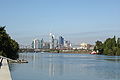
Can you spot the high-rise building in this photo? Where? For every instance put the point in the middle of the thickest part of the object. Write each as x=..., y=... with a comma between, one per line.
x=52, y=39
x=46, y=45
x=41, y=44
x=61, y=42
x=67, y=44
x=36, y=44
x=55, y=43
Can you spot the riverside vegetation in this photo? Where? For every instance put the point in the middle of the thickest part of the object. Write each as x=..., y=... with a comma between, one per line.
x=8, y=47
x=110, y=46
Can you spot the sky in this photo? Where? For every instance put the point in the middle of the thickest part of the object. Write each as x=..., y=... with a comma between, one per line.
x=76, y=20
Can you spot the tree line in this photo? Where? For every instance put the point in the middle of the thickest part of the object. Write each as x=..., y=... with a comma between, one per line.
x=110, y=46
x=8, y=47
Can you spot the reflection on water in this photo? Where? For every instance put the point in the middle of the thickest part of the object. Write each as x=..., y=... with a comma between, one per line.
x=53, y=66
x=114, y=60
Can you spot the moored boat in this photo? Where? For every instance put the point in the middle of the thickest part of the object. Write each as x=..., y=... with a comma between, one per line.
x=93, y=52
x=18, y=61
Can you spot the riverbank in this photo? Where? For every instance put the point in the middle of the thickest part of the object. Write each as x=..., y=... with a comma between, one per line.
x=4, y=71
x=72, y=51
x=79, y=51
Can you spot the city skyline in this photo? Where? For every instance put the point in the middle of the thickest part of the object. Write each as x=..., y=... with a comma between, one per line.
x=52, y=43
x=77, y=20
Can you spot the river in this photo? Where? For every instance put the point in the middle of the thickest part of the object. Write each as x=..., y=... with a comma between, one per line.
x=61, y=66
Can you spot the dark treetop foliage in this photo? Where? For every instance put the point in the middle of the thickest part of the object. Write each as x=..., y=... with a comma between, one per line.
x=8, y=46
x=111, y=46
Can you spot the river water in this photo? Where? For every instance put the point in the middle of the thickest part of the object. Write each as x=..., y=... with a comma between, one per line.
x=61, y=66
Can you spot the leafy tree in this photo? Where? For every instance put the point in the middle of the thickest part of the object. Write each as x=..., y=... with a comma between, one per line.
x=99, y=47
x=8, y=46
x=118, y=52
x=118, y=47
x=109, y=47
x=118, y=42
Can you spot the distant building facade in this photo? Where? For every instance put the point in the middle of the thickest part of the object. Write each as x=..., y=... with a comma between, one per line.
x=67, y=44
x=52, y=39
x=61, y=42
x=41, y=44
x=46, y=45
x=36, y=44
x=55, y=43
x=86, y=46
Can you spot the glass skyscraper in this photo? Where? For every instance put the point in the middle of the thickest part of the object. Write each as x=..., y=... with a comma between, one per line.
x=61, y=42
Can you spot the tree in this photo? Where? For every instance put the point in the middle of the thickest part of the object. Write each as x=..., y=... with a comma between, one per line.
x=8, y=46
x=109, y=47
x=99, y=47
x=118, y=42
x=118, y=52
x=118, y=47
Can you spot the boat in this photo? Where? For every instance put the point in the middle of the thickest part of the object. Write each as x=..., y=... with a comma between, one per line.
x=22, y=61
x=93, y=52
x=18, y=61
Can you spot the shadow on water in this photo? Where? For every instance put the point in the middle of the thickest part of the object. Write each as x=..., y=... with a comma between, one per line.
x=12, y=67
x=113, y=60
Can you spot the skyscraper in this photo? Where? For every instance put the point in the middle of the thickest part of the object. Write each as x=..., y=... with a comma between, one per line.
x=41, y=44
x=52, y=39
x=55, y=43
x=67, y=44
x=61, y=42
x=36, y=44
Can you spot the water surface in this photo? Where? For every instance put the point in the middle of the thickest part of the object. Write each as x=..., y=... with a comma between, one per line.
x=60, y=66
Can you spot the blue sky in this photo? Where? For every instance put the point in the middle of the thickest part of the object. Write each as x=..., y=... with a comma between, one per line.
x=77, y=20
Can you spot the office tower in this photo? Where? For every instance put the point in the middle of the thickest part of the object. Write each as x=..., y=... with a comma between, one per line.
x=55, y=43
x=41, y=44
x=61, y=42
x=46, y=45
x=36, y=44
x=67, y=44
x=52, y=38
